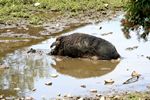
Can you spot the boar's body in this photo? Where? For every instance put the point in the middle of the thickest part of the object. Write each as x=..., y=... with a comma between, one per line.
x=84, y=45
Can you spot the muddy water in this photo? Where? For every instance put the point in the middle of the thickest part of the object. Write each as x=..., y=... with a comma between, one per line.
x=28, y=73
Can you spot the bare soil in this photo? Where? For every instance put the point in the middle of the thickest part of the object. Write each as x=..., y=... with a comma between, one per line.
x=22, y=34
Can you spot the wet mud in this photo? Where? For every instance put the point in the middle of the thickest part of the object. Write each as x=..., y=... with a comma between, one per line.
x=22, y=34
x=41, y=76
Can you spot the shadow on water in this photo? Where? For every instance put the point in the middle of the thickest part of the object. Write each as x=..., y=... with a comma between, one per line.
x=12, y=38
x=83, y=68
x=23, y=68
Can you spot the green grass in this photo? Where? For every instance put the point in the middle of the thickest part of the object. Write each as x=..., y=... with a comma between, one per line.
x=138, y=13
x=16, y=9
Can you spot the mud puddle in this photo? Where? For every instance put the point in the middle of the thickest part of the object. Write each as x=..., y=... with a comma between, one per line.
x=41, y=76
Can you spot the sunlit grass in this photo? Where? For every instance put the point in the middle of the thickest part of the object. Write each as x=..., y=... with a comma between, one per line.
x=27, y=9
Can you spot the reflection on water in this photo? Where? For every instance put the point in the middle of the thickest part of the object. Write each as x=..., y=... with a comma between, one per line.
x=83, y=68
x=23, y=69
x=31, y=71
x=26, y=69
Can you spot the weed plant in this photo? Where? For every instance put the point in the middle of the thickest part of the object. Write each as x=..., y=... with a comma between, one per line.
x=138, y=14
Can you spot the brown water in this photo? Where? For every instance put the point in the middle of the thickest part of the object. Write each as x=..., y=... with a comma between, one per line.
x=28, y=72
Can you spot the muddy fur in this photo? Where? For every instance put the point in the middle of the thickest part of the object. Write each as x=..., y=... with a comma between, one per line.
x=84, y=45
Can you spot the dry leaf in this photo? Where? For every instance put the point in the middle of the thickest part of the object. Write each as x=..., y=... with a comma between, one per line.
x=135, y=74
x=93, y=90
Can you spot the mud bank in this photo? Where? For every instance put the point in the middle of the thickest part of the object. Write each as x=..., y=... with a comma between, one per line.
x=31, y=73
x=22, y=34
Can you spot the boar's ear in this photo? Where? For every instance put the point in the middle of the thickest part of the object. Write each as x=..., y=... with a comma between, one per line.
x=59, y=38
x=57, y=43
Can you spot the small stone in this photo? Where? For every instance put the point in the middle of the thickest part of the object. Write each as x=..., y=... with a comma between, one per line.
x=93, y=90
x=115, y=60
x=83, y=86
x=1, y=96
x=132, y=48
x=59, y=95
x=58, y=59
x=94, y=58
x=65, y=95
x=57, y=25
x=116, y=97
x=104, y=34
x=105, y=69
x=17, y=99
x=104, y=12
x=32, y=51
x=69, y=96
x=36, y=4
x=8, y=30
x=22, y=98
x=100, y=27
x=80, y=99
x=148, y=86
x=102, y=98
x=50, y=83
x=106, y=5
x=33, y=89
x=98, y=95
x=17, y=89
x=54, y=75
x=3, y=66
x=110, y=81
x=10, y=98
x=148, y=57
x=43, y=97
x=29, y=98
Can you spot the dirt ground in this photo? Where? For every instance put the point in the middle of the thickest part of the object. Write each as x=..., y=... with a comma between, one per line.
x=23, y=34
